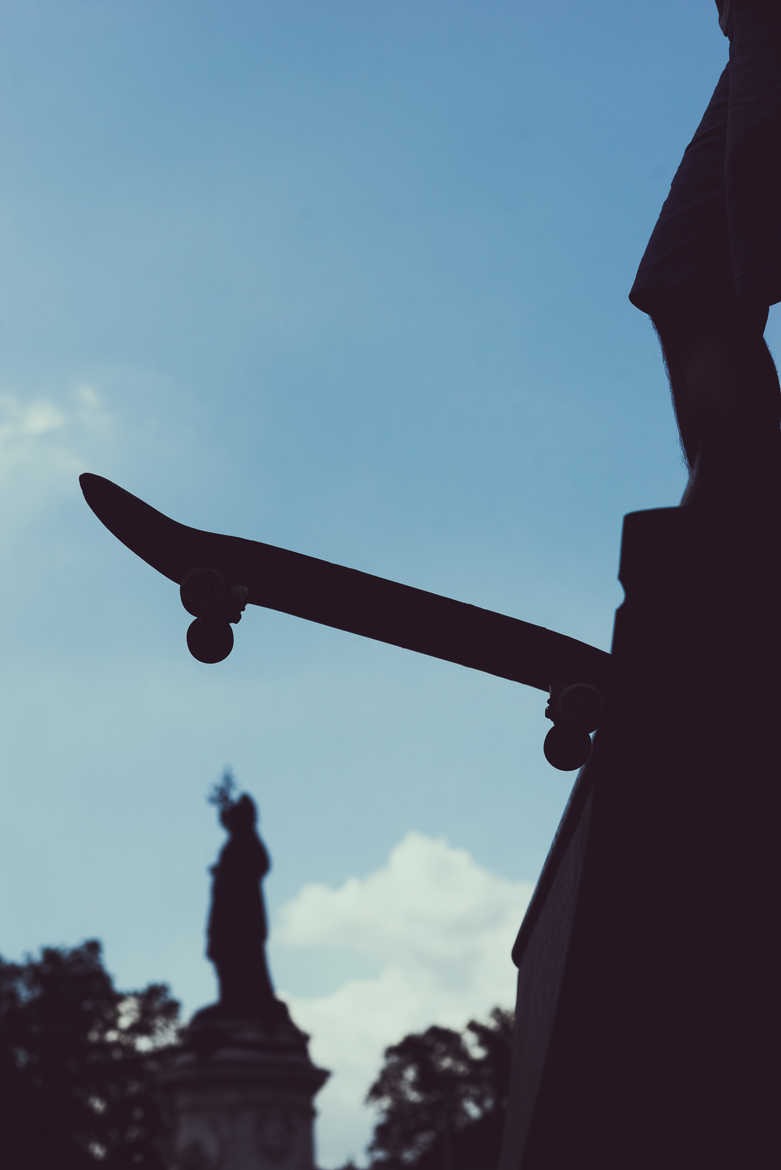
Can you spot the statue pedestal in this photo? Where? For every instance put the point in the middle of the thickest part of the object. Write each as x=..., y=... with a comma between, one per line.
x=647, y=1016
x=238, y=1094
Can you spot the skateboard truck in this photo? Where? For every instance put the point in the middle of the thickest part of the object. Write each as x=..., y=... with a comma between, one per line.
x=576, y=709
x=214, y=604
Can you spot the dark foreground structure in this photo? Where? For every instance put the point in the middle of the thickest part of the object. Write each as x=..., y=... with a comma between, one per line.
x=647, y=1013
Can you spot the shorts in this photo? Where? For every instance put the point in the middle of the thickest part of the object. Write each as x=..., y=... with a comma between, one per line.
x=718, y=236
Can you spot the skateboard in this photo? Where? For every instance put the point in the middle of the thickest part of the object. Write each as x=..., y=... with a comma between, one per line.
x=219, y=575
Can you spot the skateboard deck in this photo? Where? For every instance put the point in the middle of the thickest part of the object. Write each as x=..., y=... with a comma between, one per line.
x=348, y=599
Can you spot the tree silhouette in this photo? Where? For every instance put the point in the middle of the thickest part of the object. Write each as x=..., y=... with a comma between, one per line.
x=442, y=1097
x=77, y=1061
x=494, y=1042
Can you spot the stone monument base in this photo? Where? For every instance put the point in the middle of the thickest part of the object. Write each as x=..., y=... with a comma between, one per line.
x=238, y=1093
x=646, y=1023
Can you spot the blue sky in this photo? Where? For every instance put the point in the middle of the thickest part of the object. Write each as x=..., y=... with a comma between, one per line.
x=351, y=279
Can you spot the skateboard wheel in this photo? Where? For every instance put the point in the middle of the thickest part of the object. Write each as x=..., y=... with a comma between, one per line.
x=580, y=704
x=209, y=641
x=567, y=748
x=203, y=591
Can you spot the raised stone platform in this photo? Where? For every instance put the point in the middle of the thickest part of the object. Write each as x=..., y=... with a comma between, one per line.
x=239, y=1094
x=647, y=1012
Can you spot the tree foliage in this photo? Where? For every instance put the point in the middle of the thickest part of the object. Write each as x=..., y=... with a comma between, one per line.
x=77, y=1064
x=442, y=1097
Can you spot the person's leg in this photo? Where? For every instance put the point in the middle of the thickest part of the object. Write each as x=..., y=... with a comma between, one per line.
x=688, y=259
x=726, y=397
x=716, y=252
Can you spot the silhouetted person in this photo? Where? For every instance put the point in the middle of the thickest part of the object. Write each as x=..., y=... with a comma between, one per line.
x=712, y=269
x=237, y=929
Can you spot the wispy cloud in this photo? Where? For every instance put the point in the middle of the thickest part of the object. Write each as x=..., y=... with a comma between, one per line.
x=45, y=433
x=23, y=420
x=439, y=928
x=91, y=410
x=46, y=441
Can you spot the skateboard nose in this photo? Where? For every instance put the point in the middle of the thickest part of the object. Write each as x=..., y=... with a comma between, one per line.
x=88, y=482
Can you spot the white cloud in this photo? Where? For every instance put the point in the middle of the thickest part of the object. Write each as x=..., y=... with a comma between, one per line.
x=88, y=396
x=439, y=928
x=21, y=420
x=91, y=410
x=41, y=437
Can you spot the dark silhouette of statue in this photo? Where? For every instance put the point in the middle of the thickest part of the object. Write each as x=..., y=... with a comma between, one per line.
x=238, y=928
